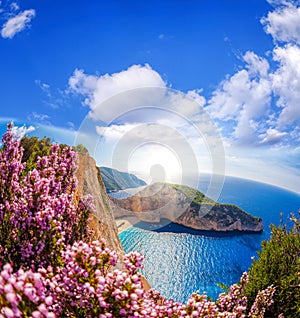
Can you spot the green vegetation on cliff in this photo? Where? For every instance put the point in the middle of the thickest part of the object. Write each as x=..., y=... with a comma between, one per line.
x=194, y=195
x=279, y=265
x=33, y=147
x=199, y=198
x=115, y=180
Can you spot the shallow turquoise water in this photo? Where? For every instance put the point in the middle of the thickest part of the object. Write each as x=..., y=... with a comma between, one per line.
x=178, y=264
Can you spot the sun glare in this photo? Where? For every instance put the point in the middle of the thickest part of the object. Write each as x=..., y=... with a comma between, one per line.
x=156, y=162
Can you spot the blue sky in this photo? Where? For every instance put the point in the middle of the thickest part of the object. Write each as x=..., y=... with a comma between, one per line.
x=226, y=76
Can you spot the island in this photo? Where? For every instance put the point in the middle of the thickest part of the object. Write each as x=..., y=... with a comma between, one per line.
x=185, y=206
x=115, y=180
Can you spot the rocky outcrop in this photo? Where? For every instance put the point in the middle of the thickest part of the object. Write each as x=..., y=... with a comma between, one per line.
x=185, y=206
x=102, y=220
x=219, y=217
x=152, y=203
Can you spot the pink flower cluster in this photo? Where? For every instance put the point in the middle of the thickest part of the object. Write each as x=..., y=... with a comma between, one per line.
x=235, y=301
x=90, y=285
x=39, y=212
x=23, y=294
x=48, y=270
x=263, y=300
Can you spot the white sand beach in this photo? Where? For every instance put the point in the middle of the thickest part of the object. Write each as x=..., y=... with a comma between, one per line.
x=125, y=222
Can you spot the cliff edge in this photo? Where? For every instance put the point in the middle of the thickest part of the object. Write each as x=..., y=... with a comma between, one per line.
x=102, y=221
x=185, y=206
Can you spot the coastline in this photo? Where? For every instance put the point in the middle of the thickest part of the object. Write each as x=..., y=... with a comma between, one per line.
x=166, y=226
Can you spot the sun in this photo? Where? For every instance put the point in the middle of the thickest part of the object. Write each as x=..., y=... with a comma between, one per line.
x=155, y=163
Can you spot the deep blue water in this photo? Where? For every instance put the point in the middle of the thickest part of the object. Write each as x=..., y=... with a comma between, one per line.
x=177, y=264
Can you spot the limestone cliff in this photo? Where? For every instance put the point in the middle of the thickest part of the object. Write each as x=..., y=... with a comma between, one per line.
x=102, y=221
x=185, y=206
x=221, y=217
x=90, y=182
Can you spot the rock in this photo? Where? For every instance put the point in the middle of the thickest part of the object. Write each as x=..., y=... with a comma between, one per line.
x=185, y=206
x=102, y=221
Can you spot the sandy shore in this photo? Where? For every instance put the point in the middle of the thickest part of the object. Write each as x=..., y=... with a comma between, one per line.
x=126, y=222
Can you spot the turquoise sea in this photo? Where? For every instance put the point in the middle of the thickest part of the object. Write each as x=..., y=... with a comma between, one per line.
x=180, y=261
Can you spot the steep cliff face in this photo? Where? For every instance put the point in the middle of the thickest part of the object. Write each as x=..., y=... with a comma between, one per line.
x=176, y=204
x=102, y=221
x=90, y=182
x=153, y=203
x=221, y=217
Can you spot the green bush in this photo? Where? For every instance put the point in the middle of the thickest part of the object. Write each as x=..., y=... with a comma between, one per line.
x=279, y=264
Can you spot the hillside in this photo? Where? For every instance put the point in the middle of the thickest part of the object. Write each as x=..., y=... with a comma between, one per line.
x=115, y=180
x=185, y=206
x=89, y=182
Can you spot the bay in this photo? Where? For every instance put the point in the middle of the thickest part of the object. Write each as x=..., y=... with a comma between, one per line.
x=179, y=261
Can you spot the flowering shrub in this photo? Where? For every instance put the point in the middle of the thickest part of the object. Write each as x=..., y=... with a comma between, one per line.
x=24, y=294
x=48, y=270
x=89, y=285
x=263, y=300
x=39, y=212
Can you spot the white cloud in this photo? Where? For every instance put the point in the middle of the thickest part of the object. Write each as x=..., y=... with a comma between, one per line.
x=99, y=89
x=128, y=94
x=14, y=6
x=119, y=90
x=286, y=83
x=139, y=133
x=43, y=86
x=41, y=118
x=260, y=104
x=20, y=132
x=272, y=136
x=243, y=105
x=283, y=24
x=17, y=23
x=56, y=98
x=196, y=96
x=133, y=111
x=71, y=125
x=187, y=105
x=82, y=83
x=243, y=98
x=115, y=132
x=256, y=64
x=282, y=3
x=164, y=37
x=242, y=91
